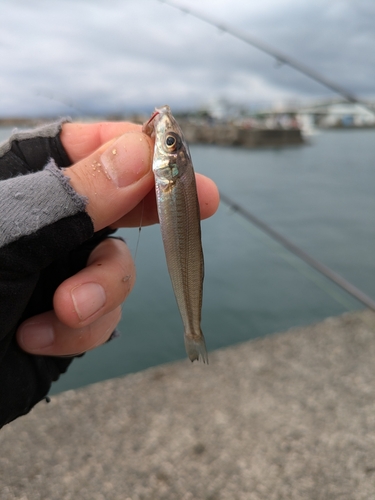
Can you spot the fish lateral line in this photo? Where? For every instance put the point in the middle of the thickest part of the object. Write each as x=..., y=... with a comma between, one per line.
x=178, y=210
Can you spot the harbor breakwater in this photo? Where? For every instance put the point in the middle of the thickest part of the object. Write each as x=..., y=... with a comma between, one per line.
x=233, y=135
x=221, y=134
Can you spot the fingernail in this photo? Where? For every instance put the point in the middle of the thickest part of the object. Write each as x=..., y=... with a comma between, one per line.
x=88, y=299
x=127, y=159
x=35, y=336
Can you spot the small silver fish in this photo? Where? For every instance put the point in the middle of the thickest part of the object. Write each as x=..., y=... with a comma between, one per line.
x=178, y=208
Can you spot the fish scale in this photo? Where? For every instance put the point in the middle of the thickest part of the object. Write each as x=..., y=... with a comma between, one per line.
x=179, y=216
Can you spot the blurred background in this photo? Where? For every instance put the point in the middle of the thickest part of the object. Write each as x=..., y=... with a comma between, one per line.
x=95, y=60
x=102, y=57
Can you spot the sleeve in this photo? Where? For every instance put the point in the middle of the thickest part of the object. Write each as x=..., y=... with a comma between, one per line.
x=45, y=237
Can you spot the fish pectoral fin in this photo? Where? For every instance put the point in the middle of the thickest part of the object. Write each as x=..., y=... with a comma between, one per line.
x=196, y=347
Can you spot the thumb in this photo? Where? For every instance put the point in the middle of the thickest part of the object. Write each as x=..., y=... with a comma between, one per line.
x=115, y=178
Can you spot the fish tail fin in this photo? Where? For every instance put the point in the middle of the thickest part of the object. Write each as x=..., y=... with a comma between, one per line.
x=195, y=346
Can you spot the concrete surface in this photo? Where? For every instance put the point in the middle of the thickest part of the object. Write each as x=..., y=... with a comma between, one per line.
x=290, y=416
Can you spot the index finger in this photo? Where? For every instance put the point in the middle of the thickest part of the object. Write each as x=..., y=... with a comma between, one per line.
x=82, y=139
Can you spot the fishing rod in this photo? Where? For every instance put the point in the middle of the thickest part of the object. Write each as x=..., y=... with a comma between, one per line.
x=311, y=73
x=268, y=49
x=326, y=271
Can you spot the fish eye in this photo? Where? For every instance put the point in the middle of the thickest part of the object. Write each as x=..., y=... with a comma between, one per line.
x=172, y=142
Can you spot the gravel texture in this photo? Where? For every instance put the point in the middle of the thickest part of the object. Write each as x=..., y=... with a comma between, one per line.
x=290, y=416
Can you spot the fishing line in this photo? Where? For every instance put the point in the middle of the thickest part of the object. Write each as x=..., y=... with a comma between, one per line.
x=294, y=249
x=59, y=100
x=280, y=57
x=299, y=266
x=139, y=230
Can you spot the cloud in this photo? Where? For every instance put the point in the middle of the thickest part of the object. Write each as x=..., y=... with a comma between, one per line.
x=100, y=56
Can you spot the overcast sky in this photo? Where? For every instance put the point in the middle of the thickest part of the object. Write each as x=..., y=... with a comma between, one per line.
x=115, y=56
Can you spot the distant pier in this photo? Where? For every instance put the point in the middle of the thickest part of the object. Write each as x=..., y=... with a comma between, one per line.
x=233, y=135
x=222, y=134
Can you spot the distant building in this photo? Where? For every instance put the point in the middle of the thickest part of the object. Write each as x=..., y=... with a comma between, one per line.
x=340, y=114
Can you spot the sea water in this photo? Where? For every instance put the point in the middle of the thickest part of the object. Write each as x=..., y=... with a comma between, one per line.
x=321, y=196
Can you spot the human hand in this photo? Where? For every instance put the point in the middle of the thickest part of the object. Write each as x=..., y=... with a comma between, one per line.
x=112, y=169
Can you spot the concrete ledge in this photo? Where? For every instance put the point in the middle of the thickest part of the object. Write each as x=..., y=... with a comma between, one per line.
x=290, y=416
